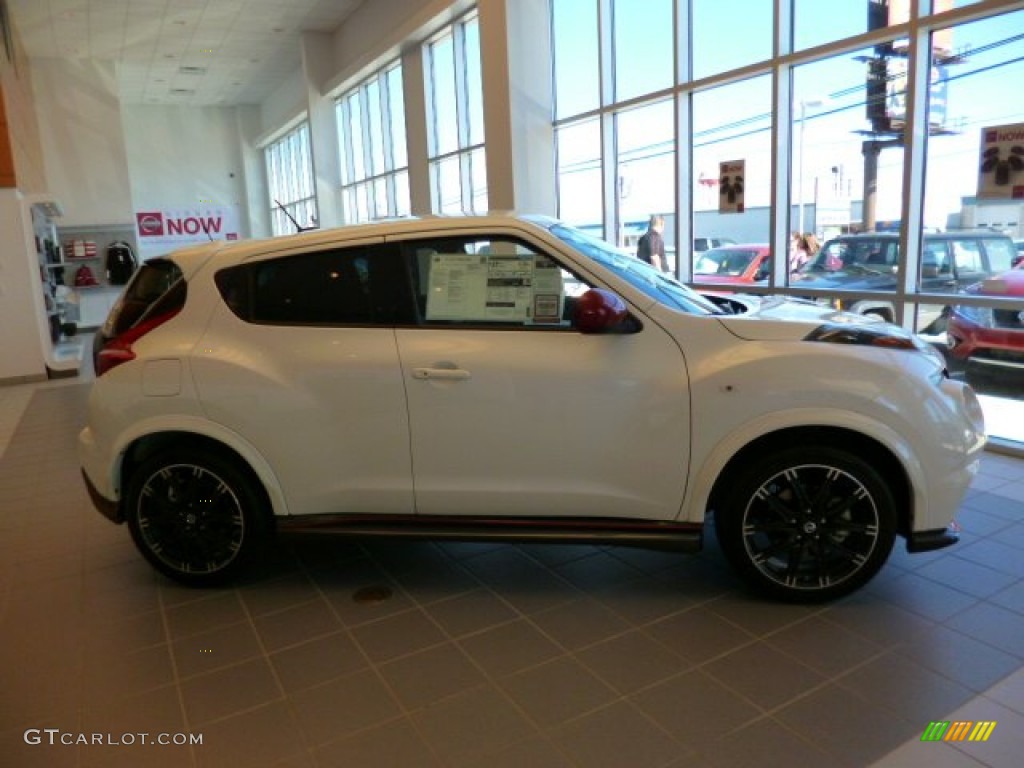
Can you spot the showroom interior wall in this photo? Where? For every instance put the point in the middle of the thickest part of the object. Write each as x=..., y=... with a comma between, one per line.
x=183, y=156
x=79, y=113
x=126, y=156
x=21, y=174
x=22, y=166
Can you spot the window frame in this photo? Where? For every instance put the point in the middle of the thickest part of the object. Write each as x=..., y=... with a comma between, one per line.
x=288, y=164
x=361, y=182
x=469, y=155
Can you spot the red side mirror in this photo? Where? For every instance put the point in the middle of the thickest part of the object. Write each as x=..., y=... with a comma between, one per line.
x=597, y=310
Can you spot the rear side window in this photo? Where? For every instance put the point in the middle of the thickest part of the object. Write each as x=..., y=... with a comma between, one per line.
x=362, y=285
x=157, y=286
x=967, y=255
x=1001, y=253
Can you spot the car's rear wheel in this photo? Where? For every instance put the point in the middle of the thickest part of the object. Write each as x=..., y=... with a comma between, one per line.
x=806, y=524
x=195, y=515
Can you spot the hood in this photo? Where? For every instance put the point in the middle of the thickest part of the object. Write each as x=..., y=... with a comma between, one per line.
x=1007, y=284
x=775, y=318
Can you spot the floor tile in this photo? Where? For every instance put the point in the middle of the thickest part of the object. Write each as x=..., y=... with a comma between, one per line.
x=487, y=655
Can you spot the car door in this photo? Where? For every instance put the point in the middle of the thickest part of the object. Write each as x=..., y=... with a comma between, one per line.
x=300, y=361
x=513, y=412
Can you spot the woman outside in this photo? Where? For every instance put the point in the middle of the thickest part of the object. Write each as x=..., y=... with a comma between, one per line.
x=803, y=248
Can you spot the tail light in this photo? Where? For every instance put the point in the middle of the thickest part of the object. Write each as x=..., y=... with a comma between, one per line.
x=119, y=349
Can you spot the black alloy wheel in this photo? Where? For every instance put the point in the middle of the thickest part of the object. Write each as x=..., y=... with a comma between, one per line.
x=807, y=524
x=194, y=516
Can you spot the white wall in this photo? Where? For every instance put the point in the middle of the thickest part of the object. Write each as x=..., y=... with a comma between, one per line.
x=22, y=316
x=285, y=105
x=181, y=157
x=79, y=116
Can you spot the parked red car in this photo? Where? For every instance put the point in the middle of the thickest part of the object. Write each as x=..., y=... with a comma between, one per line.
x=749, y=263
x=991, y=340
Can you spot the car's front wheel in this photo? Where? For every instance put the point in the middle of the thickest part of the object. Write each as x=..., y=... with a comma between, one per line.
x=195, y=515
x=806, y=524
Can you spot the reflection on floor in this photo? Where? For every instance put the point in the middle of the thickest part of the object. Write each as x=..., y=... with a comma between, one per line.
x=484, y=655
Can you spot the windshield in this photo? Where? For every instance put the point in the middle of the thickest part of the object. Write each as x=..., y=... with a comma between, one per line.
x=724, y=261
x=659, y=286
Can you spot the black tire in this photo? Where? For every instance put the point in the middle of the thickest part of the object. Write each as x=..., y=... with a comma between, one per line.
x=806, y=524
x=195, y=515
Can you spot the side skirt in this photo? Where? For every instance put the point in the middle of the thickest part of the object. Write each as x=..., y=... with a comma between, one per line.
x=679, y=537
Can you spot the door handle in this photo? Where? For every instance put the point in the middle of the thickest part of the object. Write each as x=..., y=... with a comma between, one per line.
x=440, y=374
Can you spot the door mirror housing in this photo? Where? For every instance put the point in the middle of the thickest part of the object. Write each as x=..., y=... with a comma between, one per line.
x=598, y=310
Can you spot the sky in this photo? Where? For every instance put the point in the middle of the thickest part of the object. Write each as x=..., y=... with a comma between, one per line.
x=733, y=122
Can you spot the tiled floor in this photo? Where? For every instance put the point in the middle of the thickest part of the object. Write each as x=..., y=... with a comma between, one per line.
x=485, y=655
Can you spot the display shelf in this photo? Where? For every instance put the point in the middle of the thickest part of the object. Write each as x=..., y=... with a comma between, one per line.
x=103, y=235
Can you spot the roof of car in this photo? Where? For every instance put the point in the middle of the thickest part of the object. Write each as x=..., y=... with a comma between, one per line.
x=953, y=234
x=191, y=258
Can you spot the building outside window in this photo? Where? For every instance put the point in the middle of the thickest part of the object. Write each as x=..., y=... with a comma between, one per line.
x=455, y=119
x=290, y=182
x=841, y=117
x=374, y=158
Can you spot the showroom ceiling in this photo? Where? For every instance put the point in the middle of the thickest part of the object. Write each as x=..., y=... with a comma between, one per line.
x=187, y=52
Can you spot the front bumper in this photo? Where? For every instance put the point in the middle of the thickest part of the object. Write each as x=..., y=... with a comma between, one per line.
x=928, y=541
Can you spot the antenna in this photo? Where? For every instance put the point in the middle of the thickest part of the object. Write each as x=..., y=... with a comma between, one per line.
x=298, y=227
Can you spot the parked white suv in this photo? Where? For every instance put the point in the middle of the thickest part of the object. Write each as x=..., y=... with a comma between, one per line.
x=514, y=378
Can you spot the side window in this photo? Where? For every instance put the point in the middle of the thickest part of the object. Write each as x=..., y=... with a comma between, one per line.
x=490, y=281
x=344, y=286
x=936, y=261
x=1001, y=254
x=967, y=256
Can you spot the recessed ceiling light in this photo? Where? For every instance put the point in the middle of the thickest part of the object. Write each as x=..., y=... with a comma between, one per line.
x=189, y=70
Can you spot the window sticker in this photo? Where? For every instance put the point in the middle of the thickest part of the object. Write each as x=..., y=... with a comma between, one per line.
x=458, y=286
x=517, y=288
x=548, y=292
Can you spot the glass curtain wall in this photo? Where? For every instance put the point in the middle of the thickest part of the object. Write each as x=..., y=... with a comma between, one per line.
x=455, y=134
x=861, y=125
x=290, y=182
x=372, y=147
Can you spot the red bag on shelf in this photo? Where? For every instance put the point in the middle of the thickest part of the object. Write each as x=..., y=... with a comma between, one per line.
x=84, y=277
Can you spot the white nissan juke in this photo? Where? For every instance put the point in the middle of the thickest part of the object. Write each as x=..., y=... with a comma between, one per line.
x=513, y=378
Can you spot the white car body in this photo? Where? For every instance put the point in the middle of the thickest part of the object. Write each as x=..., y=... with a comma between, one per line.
x=448, y=422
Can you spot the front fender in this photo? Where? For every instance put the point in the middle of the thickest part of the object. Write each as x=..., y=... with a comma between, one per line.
x=714, y=461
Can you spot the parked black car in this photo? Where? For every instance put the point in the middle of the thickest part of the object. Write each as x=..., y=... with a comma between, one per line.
x=868, y=262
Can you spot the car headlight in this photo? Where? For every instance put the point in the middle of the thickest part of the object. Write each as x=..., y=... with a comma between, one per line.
x=889, y=337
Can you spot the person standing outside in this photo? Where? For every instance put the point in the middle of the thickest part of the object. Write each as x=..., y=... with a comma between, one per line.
x=651, y=247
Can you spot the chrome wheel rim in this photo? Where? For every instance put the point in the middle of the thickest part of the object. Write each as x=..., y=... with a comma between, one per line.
x=190, y=519
x=810, y=527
